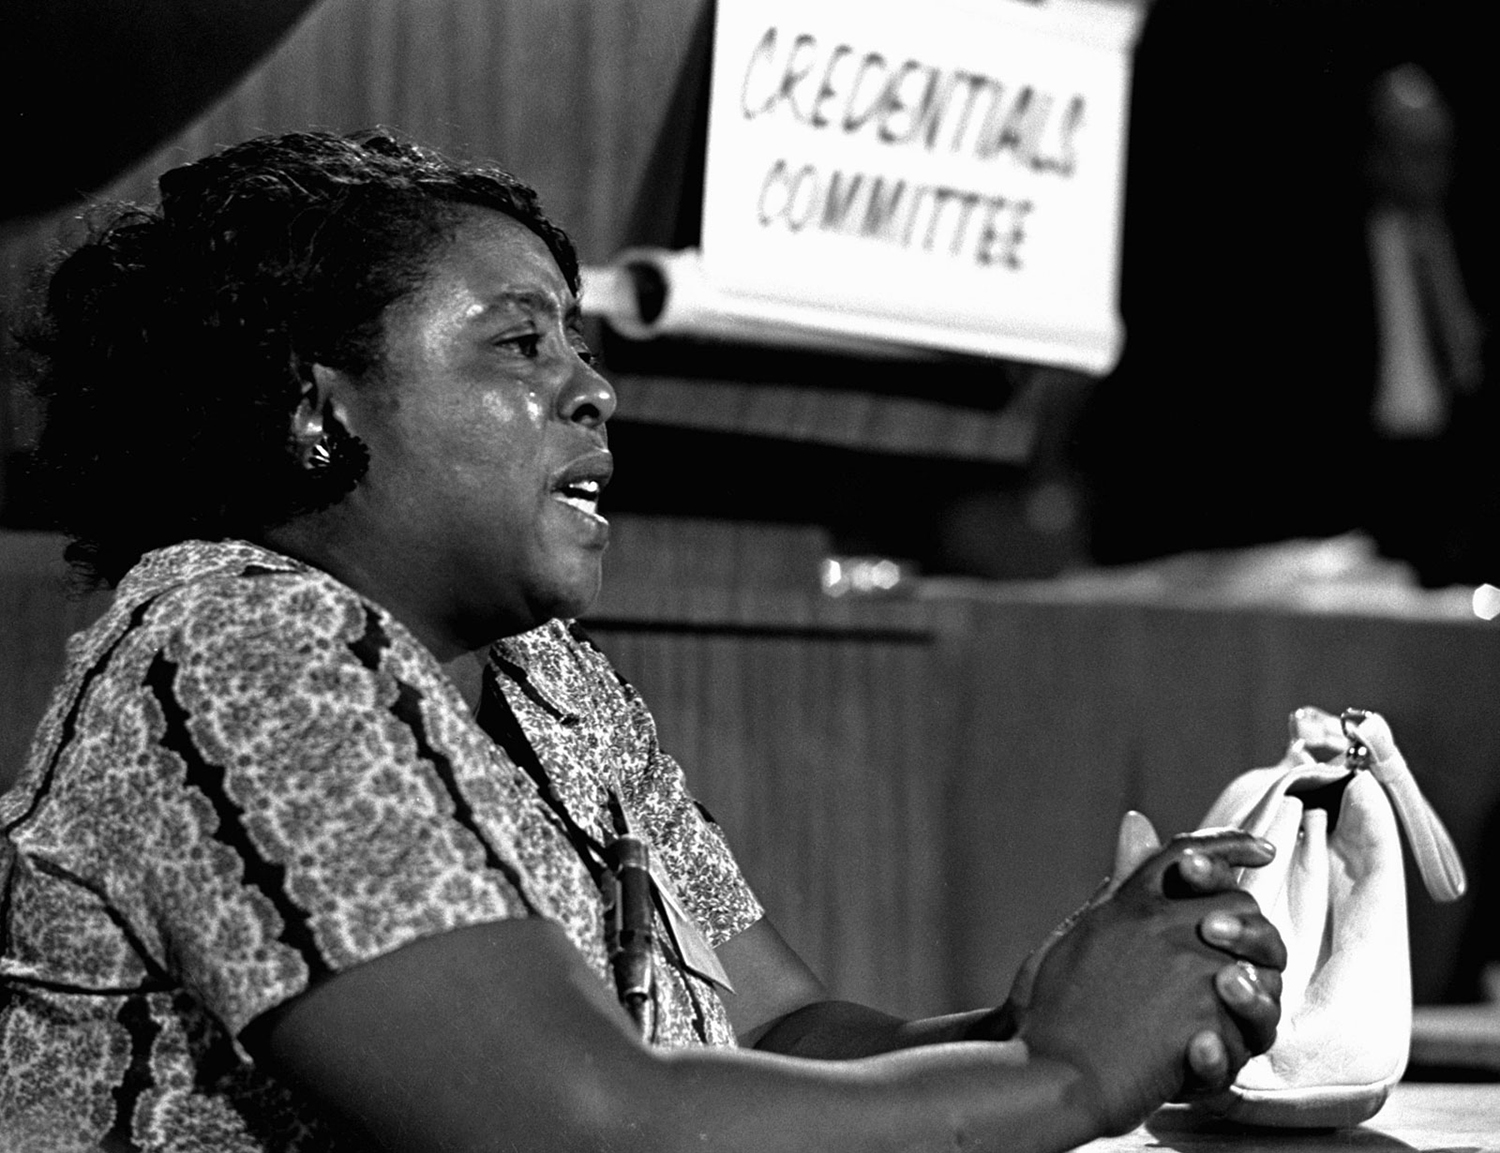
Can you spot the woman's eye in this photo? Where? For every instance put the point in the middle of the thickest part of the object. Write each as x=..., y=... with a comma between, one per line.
x=527, y=344
x=581, y=348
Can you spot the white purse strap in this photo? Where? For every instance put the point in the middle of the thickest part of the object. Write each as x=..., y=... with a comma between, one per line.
x=1436, y=856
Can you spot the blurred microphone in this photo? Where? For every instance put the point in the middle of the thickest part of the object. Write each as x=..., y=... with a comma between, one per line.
x=632, y=920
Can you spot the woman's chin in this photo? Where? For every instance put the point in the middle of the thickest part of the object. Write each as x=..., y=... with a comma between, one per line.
x=575, y=590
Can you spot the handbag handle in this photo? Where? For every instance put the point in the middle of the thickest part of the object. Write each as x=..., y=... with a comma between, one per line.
x=1432, y=847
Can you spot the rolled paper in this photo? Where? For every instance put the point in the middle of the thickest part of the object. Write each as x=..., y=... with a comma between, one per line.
x=646, y=293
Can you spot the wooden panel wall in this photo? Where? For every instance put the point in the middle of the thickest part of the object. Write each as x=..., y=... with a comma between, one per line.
x=823, y=756
x=920, y=790
x=571, y=95
x=1076, y=712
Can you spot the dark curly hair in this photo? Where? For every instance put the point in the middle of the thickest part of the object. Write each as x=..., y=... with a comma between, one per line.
x=173, y=346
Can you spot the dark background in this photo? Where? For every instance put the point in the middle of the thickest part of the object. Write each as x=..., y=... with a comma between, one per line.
x=1239, y=412
x=1238, y=415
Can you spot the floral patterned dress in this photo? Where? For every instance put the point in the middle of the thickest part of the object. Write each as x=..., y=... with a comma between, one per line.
x=252, y=778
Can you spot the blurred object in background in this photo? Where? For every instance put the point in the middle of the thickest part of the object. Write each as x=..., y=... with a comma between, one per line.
x=1430, y=475
x=86, y=91
x=1243, y=411
x=89, y=88
x=843, y=576
x=1341, y=574
x=1429, y=336
x=1033, y=521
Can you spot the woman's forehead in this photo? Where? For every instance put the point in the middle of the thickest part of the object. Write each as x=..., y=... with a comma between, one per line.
x=500, y=263
x=490, y=265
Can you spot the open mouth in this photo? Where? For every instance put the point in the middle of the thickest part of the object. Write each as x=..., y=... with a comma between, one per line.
x=581, y=483
x=580, y=494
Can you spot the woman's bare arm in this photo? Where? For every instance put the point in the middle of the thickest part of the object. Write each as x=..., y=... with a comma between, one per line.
x=781, y=1006
x=499, y=1037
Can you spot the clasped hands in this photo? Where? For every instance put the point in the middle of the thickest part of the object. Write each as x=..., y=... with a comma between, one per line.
x=1165, y=983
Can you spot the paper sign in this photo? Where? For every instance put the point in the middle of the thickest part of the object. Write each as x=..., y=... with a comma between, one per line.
x=946, y=173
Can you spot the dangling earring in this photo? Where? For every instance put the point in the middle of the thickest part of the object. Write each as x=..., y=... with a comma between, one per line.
x=332, y=459
x=319, y=456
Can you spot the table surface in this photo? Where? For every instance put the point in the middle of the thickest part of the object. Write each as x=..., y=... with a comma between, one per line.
x=1429, y=1118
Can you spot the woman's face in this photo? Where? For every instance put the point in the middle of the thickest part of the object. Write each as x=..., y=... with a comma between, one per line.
x=487, y=444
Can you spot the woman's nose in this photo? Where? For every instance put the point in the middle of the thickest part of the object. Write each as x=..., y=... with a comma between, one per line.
x=588, y=398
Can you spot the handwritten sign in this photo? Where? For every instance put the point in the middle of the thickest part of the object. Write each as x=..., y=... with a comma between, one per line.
x=945, y=173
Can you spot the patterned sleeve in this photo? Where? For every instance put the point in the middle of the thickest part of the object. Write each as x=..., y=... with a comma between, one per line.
x=314, y=813
x=688, y=841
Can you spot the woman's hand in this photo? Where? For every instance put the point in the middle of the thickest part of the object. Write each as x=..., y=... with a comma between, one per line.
x=1165, y=983
x=1251, y=988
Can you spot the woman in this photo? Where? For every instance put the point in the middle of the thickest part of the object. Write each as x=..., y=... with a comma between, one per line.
x=330, y=836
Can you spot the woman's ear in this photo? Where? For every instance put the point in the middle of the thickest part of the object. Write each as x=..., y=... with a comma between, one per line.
x=321, y=406
x=307, y=423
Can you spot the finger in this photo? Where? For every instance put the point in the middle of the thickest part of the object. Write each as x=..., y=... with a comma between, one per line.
x=1198, y=874
x=1200, y=865
x=1208, y=1061
x=1135, y=845
x=1245, y=936
x=1250, y=1001
x=1233, y=846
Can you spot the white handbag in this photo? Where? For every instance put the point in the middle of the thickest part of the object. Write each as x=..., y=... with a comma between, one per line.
x=1337, y=893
